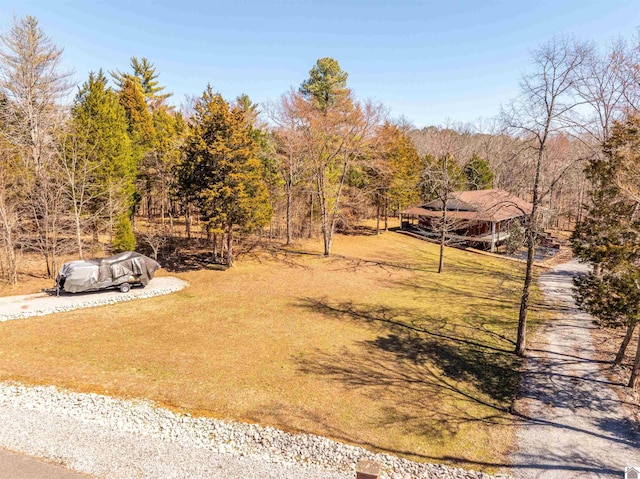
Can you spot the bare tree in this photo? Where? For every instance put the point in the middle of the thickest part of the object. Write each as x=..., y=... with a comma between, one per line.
x=602, y=85
x=32, y=84
x=82, y=193
x=542, y=111
x=156, y=240
x=334, y=141
x=288, y=137
x=440, y=179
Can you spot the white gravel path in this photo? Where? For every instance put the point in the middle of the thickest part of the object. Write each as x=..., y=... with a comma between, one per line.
x=40, y=304
x=97, y=444
x=120, y=439
x=578, y=426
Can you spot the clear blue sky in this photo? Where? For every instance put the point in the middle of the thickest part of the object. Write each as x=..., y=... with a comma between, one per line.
x=428, y=60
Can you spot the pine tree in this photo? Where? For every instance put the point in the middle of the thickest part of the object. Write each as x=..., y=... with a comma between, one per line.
x=221, y=172
x=609, y=237
x=140, y=128
x=337, y=134
x=31, y=86
x=326, y=82
x=139, y=120
x=156, y=171
x=393, y=172
x=124, y=239
x=478, y=173
x=102, y=151
x=145, y=72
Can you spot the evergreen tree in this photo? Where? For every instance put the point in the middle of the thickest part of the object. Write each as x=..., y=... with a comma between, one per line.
x=609, y=238
x=393, y=173
x=478, y=174
x=156, y=171
x=140, y=128
x=325, y=83
x=249, y=109
x=139, y=120
x=221, y=172
x=145, y=72
x=124, y=239
x=103, y=151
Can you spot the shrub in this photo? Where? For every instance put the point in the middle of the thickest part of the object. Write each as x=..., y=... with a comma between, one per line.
x=124, y=239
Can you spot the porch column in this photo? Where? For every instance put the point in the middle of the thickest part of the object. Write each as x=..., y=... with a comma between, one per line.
x=493, y=237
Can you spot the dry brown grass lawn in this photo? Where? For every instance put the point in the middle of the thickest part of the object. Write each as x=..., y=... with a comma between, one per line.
x=371, y=347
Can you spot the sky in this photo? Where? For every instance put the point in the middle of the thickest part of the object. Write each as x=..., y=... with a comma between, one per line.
x=432, y=61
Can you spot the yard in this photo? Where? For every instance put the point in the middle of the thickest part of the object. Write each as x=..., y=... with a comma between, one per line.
x=370, y=347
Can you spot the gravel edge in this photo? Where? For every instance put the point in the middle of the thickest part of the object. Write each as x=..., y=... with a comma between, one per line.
x=265, y=449
x=98, y=301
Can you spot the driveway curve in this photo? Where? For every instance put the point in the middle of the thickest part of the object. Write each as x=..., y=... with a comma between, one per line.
x=576, y=425
x=40, y=304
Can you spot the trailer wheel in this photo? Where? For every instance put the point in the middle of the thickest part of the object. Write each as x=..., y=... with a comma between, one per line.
x=125, y=287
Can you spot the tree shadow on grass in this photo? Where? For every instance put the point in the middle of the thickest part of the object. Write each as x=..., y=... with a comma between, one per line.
x=434, y=381
x=415, y=397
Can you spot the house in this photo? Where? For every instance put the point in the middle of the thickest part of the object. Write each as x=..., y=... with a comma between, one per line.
x=480, y=218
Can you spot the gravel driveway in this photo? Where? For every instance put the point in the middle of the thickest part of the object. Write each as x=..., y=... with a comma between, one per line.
x=40, y=304
x=578, y=426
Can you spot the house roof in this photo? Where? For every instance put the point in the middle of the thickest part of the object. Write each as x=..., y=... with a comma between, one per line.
x=480, y=205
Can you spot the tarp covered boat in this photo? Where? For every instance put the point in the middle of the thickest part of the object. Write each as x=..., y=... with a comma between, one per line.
x=120, y=271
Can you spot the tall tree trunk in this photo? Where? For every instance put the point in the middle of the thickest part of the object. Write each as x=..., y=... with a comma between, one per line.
x=329, y=218
x=386, y=214
x=311, y=218
x=521, y=341
x=633, y=380
x=442, y=242
x=149, y=205
x=9, y=242
x=187, y=221
x=96, y=232
x=625, y=342
x=78, y=233
x=324, y=215
x=289, y=204
x=230, y=245
x=443, y=233
x=111, y=220
x=378, y=214
x=162, y=211
x=326, y=238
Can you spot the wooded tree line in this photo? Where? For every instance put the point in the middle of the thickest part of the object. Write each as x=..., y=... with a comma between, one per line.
x=73, y=175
